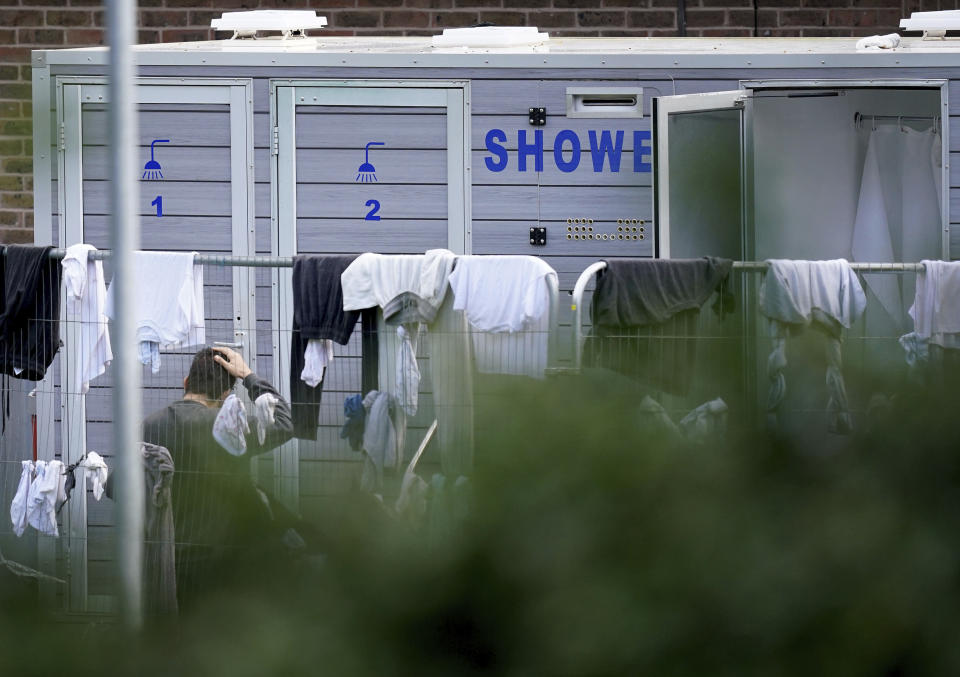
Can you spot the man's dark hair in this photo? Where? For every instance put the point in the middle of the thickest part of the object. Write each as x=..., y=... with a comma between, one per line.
x=206, y=377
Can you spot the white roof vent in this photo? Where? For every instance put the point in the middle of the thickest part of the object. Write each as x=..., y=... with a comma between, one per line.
x=490, y=37
x=290, y=22
x=933, y=24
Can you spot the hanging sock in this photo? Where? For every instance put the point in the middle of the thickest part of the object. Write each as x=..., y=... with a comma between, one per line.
x=21, y=500
x=95, y=469
x=230, y=427
x=317, y=356
x=264, y=408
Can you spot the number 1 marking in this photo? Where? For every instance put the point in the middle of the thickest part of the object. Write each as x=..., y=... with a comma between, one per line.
x=159, y=203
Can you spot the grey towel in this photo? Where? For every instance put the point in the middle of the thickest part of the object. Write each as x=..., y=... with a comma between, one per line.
x=159, y=573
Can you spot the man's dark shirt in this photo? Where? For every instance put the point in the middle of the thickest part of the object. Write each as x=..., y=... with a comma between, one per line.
x=214, y=501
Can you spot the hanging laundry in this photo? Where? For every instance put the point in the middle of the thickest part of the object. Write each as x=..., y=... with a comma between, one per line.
x=935, y=311
x=318, y=316
x=383, y=438
x=644, y=314
x=506, y=300
x=410, y=290
x=86, y=304
x=95, y=469
x=45, y=492
x=316, y=358
x=264, y=413
x=21, y=500
x=29, y=311
x=898, y=211
x=168, y=301
x=159, y=555
x=706, y=423
x=795, y=294
x=354, y=418
x=230, y=428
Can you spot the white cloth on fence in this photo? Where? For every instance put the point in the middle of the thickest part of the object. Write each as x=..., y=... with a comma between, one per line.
x=86, y=303
x=506, y=300
x=795, y=294
x=936, y=305
x=168, y=301
x=317, y=356
x=95, y=469
x=230, y=428
x=46, y=491
x=264, y=408
x=374, y=280
x=878, y=42
x=21, y=500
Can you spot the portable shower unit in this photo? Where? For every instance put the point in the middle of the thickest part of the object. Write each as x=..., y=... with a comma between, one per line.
x=569, y=149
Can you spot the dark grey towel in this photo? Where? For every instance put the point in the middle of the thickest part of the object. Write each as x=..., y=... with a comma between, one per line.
x=643, y=292
x=159, y=555
x=644, y=313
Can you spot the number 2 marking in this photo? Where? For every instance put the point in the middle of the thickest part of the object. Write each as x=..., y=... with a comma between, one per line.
x=372, y=214
x=159, y=203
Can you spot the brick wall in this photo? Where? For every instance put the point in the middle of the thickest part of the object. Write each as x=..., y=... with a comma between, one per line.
x=33, y=24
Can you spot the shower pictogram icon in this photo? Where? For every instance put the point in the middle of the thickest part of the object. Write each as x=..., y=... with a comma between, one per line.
x=151, y=170
x=367, y=173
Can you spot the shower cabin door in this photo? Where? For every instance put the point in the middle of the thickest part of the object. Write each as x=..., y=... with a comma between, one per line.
x=701, y=208
x=360, y=166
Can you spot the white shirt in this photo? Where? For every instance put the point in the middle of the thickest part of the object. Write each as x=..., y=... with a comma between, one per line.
x=20, y=503
x=47, y=488
x=86, y=304
x=168, y=300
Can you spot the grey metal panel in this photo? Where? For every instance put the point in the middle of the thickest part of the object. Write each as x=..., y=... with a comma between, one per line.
x=354, y=131
x=388, y=236
x=505, y=237
x=348, y=200
x=558, y=203
x=185, y=129
x=954, y=132
x=955, y=205
x=393, y=166
x=954, y=167
x=584, y=174
x=955, y=241
x=180, y=198
x=511, y=124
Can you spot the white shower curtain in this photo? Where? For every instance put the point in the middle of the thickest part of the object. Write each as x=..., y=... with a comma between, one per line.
x=898, y=213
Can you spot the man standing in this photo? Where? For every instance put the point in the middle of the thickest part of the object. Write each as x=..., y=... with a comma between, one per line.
x=221, y=519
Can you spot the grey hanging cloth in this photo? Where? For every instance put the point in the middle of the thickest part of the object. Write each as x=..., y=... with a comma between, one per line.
x=644, y=315
x=318, y=314
x=30, y=311
x=159, y=555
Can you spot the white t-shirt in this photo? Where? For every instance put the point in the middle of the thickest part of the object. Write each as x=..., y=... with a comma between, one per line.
x=376, y=279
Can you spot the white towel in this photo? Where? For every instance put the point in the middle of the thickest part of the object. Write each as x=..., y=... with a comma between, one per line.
x=230, y=427
x=46, y=491
x=878, y=42
x=86, y=304
x=20, y=503
x=936, y=306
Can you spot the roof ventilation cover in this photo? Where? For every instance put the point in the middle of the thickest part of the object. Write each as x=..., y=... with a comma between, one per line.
x=490, y=37
x=933, y=24
x=290, y=22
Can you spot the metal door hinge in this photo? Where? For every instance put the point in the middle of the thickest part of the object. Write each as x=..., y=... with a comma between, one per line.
x=275, y=145
x=63, y=136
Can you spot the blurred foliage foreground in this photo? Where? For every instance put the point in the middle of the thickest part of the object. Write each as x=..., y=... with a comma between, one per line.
x=597, y=547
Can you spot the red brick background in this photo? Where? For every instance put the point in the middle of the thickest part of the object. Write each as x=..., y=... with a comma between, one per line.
x=32, y=24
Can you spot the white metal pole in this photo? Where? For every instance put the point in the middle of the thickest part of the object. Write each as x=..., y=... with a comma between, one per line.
x=125, y=231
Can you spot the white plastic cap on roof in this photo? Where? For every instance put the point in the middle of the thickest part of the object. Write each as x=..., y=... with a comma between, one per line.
x=287, y=21
x=933, y=24
x=494, y=37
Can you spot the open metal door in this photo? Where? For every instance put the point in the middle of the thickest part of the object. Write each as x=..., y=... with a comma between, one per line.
x=700, y=164
x=702, y=207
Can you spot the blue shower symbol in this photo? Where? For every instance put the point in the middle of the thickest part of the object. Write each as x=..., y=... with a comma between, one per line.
x=151, y=170
x=367, y=173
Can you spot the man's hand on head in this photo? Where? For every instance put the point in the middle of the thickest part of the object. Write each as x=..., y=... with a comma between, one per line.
x=232, y=361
